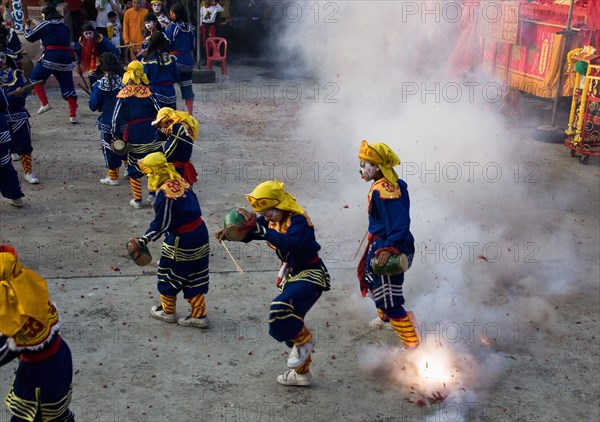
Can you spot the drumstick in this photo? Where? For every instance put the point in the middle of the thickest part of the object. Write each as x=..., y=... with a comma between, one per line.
x=361, y=243
x=84, y=89
x=10, y=94
x=128, y=45
x=237, y=266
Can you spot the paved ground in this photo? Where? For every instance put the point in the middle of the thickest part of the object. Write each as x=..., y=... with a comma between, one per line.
x=504, y=282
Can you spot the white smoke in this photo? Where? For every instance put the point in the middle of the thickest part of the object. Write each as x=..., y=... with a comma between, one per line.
x=484, y=273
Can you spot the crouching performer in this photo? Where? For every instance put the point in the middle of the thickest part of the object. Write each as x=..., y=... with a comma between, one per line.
x=303, y=277
x=183, y=264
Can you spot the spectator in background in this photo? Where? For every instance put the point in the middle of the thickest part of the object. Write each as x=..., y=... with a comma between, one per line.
x=89, y=13
x=133, y=23
x=158, y=10
x=208, y=15
x=75, y=18
x=104, y=7
x=113, y=28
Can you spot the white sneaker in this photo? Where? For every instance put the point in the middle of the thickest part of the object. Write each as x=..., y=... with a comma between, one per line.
x=291, y=378
x=44, y=109
x=135, y=204
x=30, y=178
x=151, y=199
x=73, y=120
x=16, y=202
x=108, y=181
x=188, y=321
x=299, y=354
x=126, y=173
x=14, y=157
x=380, y=324
x=158, y=313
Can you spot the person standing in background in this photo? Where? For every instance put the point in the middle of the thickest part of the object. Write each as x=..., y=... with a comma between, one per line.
x=133, y=22
x=75, y=21
x=104, y=7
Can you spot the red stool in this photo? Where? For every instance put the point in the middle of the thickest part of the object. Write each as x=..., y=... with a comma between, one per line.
x=213, y=53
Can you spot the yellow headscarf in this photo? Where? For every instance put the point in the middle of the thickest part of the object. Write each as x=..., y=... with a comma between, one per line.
x=382, y=155
x=23, y=294
x=178, y=117
x=157, y=169
x=270, y=194
x=134, y=72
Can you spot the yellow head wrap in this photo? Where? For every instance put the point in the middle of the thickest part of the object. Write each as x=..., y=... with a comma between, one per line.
x=23, y=294
x=270, y=194
x=157, y=169
x=382, y=155
x=134, y=72
x=181, y=117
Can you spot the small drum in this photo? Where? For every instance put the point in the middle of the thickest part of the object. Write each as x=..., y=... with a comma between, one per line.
x=233, y=225
x=119, y=147
x=141, y=256
x=396, y=264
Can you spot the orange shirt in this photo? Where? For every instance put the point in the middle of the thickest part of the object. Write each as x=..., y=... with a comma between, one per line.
x=133, y=22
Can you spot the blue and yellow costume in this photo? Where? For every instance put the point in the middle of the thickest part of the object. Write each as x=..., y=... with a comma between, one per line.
x=183, y=264
x=57, y=58
x=104, y=100
x=162, y=75
x=389, y=230
x=9, y=180
x=179, y=137
x=303, y=276
x=132, y=119
x=30, y=331
x=17, y=118
x=183, y=43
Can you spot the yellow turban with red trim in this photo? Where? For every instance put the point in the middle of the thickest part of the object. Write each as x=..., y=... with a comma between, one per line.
x=382, y=155
x=158, y=170
x=134, y=72
x=181, y=117
x=23, y=294
x=270, y=194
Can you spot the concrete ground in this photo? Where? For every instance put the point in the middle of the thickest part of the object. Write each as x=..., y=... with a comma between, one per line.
x=129, y=366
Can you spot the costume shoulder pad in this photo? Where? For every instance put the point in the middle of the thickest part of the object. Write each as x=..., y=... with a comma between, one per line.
x=385, y=189
x=174, y=189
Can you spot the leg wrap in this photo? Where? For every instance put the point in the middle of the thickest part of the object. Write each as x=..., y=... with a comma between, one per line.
x=40, y=91
x=405, y=327
x=198, y=306
x=168, y=303
x=25, y=162
x=136, y=188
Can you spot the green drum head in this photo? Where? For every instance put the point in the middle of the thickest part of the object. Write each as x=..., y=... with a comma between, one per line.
x=233, y=218
x=396, y=264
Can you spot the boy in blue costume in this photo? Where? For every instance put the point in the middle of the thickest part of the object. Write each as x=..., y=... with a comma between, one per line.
x=161, y=69
x=183, y=42
x=17, y=116
x=9, y=179
x=132, y=122
x=104, y=100
x=389, y=234
x=178, y=130
x=303, y=277
x=183, y=264
x=57, y=59
x=29, y=330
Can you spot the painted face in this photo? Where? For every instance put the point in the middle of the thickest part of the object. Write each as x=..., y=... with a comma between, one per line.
x=156, y=7
x=150, y=25
x=273, y=215
x=88, y=35
x=368, y=170
x=2, y=59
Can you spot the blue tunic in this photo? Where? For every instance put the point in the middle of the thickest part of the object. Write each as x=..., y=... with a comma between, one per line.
x=162, y=77
x=183, y=43
x=53, y=33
